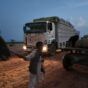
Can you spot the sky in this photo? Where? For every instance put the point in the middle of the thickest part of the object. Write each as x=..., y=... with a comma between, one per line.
x=15, y=13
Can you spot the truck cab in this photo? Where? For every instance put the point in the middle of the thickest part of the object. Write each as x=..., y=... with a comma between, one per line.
x=38, y=31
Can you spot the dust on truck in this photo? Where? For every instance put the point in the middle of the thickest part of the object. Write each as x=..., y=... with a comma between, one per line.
x=52, y=31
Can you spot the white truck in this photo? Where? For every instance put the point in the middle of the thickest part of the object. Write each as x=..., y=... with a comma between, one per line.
x=53, y=31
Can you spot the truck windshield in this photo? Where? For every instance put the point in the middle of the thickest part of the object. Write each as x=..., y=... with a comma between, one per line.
x=36, y=27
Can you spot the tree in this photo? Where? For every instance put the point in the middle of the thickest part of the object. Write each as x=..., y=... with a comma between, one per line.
x=4, y=51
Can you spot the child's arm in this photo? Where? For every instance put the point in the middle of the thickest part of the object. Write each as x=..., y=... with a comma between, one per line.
x=30, y=56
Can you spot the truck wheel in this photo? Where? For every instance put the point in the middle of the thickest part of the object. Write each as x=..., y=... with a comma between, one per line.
x=67, y=62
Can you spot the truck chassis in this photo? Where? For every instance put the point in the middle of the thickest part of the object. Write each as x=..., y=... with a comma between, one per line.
x=75, y=57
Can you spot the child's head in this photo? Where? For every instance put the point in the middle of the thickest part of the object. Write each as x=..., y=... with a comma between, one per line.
x=39, y=45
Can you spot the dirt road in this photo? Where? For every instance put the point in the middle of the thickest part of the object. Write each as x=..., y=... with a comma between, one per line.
x=14, y=74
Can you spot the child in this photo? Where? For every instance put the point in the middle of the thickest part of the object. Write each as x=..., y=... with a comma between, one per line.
x=36, y=65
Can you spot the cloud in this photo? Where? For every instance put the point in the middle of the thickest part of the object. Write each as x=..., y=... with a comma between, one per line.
x=79, y=22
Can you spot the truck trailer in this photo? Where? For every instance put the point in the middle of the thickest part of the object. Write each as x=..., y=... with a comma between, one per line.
x=53, y=31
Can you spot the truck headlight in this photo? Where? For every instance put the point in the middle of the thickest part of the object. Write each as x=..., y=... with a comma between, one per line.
x=45, y=48
x=24, y=47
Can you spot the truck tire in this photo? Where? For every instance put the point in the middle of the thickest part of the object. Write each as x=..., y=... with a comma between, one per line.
x=67, y=62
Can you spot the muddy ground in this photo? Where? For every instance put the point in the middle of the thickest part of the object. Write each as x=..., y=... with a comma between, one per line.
x=14, y=74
